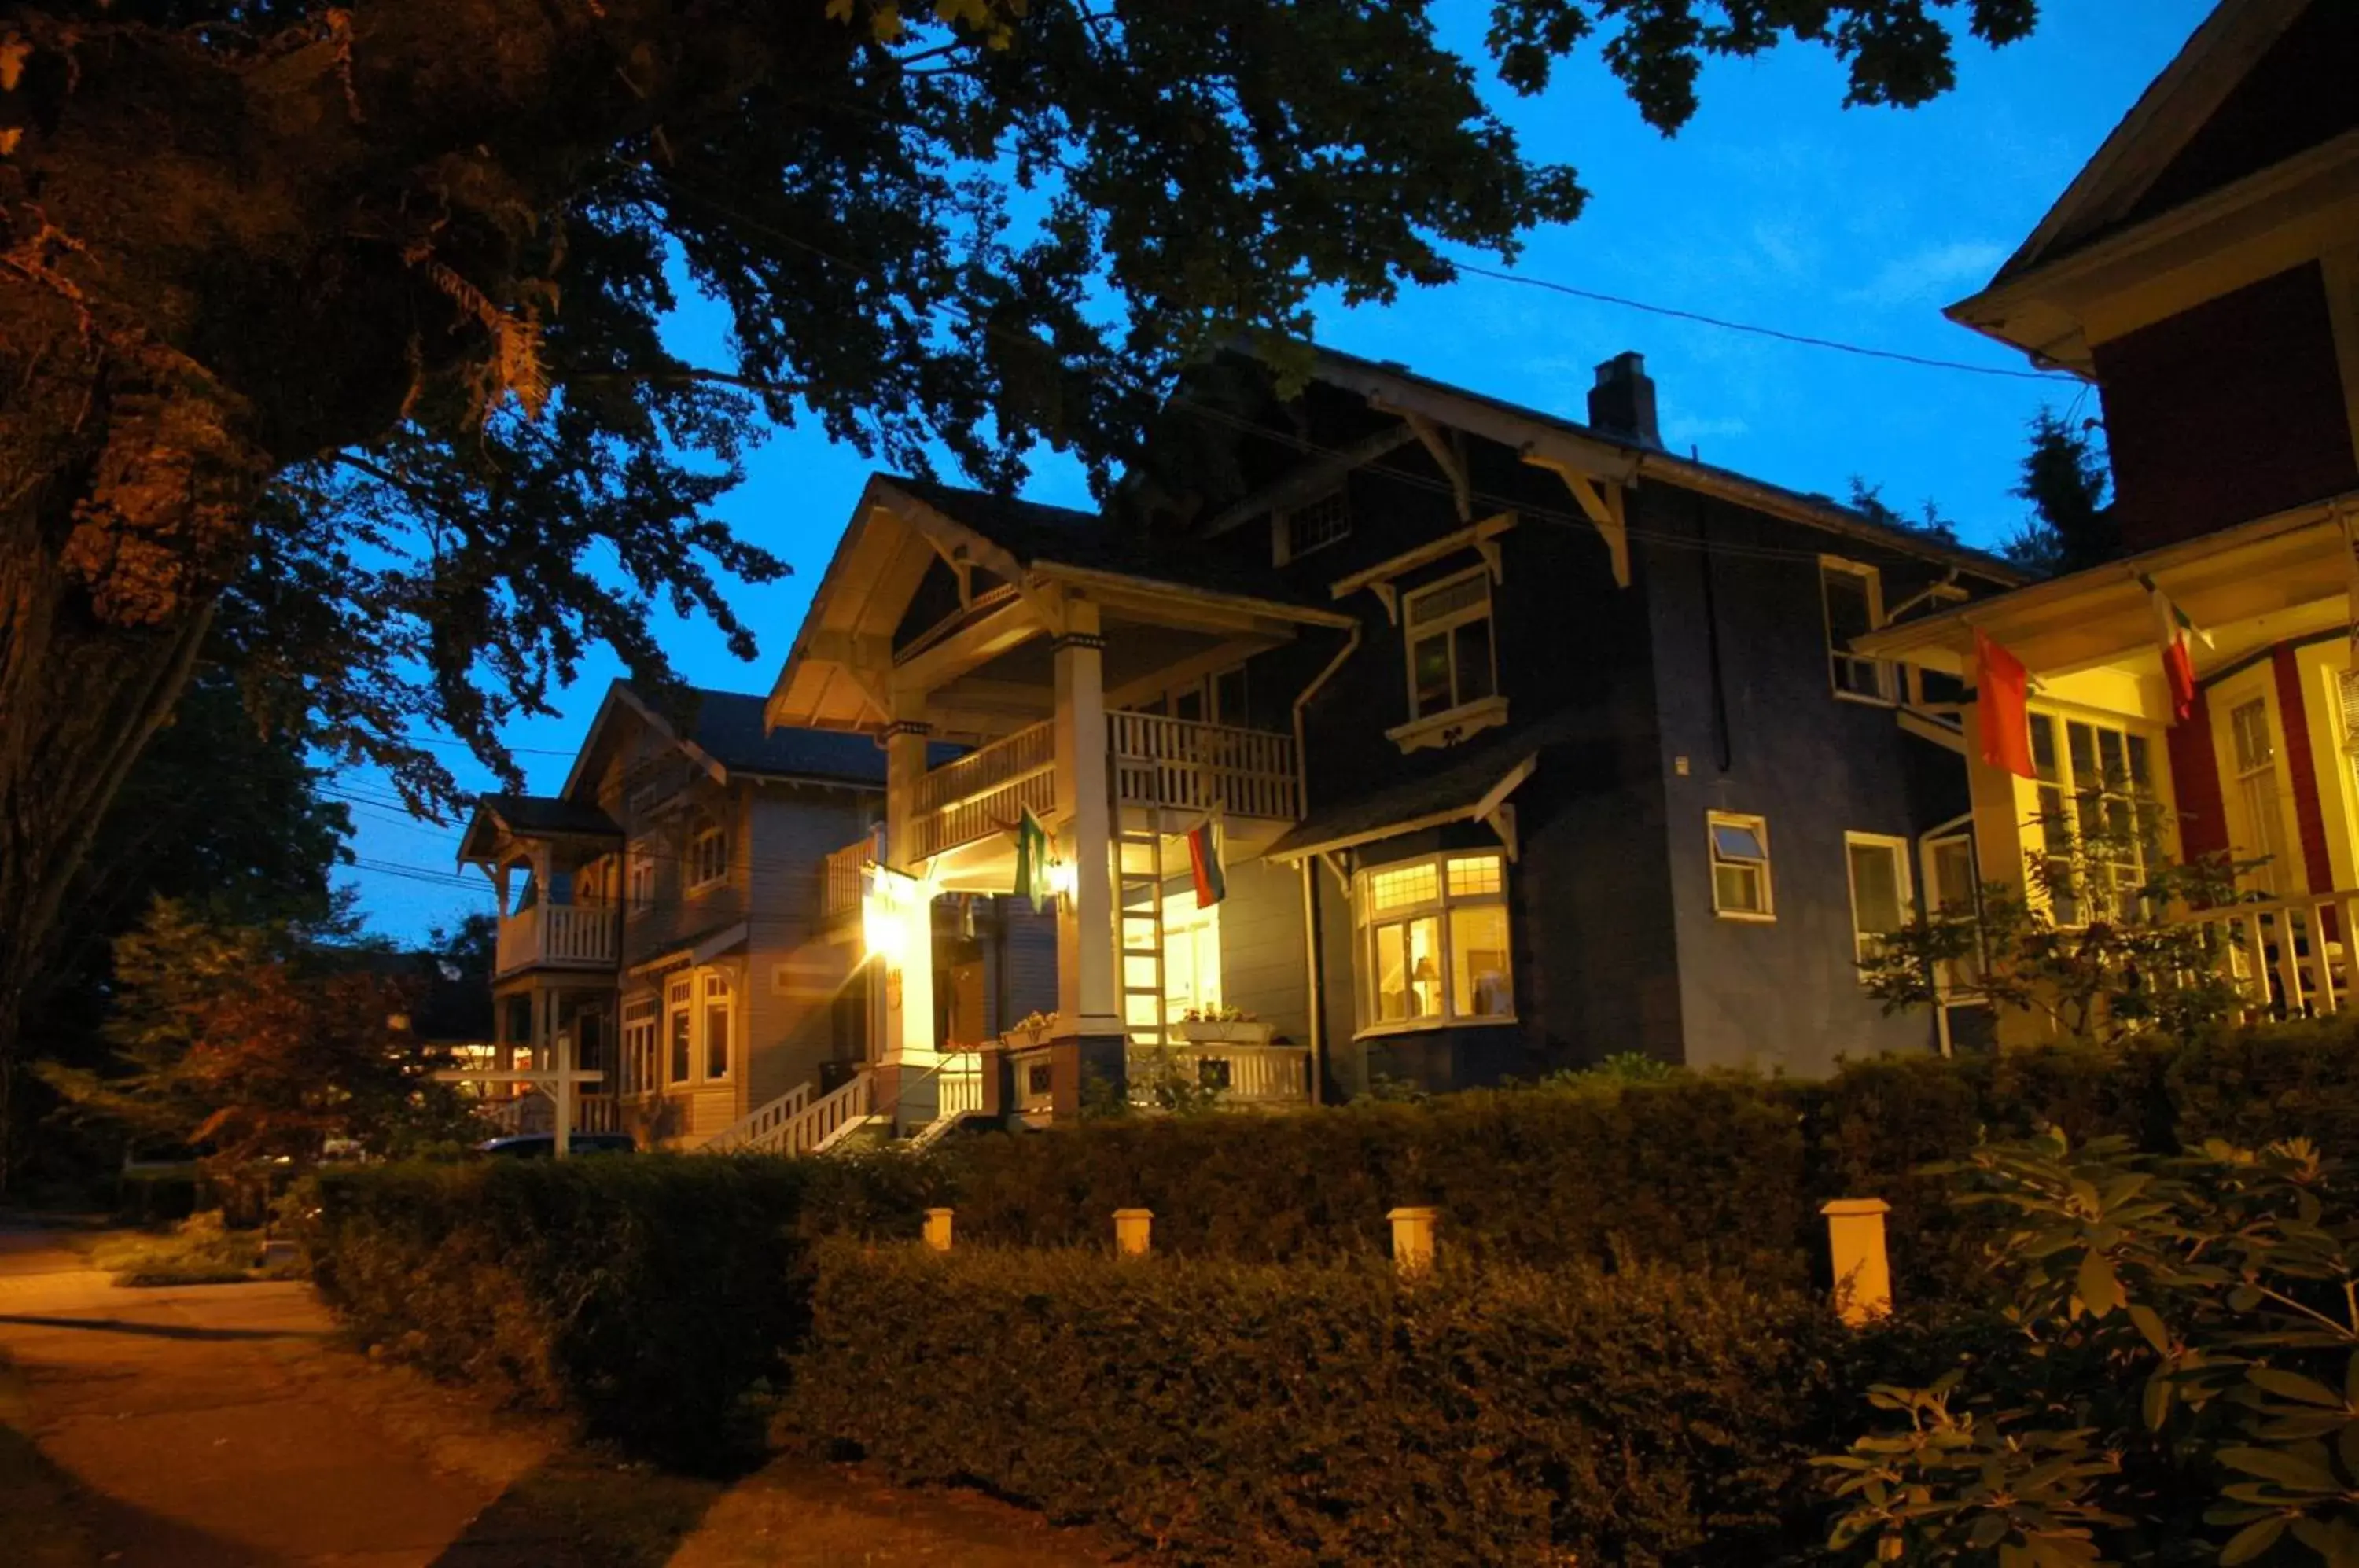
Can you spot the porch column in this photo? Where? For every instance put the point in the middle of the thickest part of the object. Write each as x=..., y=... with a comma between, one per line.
x=2001, y=806
x=1090, y=1035
x=908, y=984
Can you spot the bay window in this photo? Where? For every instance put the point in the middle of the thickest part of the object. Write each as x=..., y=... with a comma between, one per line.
x=679, y=1021
x=716, y=1026
x=1434, y=941
x=638, y=1045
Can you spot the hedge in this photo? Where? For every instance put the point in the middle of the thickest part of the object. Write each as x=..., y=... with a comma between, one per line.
x=1326, y=1413
x=655, y=1296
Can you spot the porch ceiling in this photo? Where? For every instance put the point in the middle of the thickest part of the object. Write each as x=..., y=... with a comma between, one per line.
x=2247, y=587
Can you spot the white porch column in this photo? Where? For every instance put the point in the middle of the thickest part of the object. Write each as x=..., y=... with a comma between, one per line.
x=908, y=984
x=1089, y=1038
x=2004, y=809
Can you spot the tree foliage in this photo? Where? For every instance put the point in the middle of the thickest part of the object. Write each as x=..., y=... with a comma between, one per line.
x=2066, y=479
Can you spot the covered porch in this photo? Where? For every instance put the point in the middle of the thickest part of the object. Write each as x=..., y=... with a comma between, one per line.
x=1121, y=701
x=2257, y=764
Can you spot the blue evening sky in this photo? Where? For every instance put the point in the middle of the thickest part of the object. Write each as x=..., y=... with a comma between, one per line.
x=1775, y=206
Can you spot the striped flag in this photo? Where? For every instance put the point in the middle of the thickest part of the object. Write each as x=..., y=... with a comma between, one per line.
x=1204, y=864
x=2176, y=635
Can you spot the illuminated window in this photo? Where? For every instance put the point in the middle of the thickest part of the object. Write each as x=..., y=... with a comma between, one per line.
x=679, y=1023
x=2100, y=824
x=708, y=856
x=1880, y=894
x=716, y=1026
x=1449, y=655
x=1740, y=867
x=1434, y=949
x=639, y=1045
x=1853, y=595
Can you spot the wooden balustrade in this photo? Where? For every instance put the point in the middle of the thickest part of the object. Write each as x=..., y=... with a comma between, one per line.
x=759, y=1127
x=985, y=791
x=844, y=878
x=2286, y=956
x=1244, y=1074
x=1192, y=766
x=573, y=936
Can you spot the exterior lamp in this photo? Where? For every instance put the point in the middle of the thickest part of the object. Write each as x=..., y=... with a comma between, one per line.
x=890, y=911
x=1063, y=878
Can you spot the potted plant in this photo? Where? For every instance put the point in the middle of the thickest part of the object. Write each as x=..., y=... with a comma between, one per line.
x=1033, y=1028
x=1226, y=1025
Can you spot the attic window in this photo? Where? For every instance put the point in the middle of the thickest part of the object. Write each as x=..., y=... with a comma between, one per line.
x=1301, y=529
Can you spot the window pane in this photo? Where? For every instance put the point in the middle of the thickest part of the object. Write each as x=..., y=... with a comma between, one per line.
x=1847, y=607
x=1229, y=697
x=1471, y=873
x=1736, y=889
x=2141, y=774
x=1473, y=656
x=1875, y=889
x=2253, y=747
x=1392, y=973
x=1479, y=985
x=2043, y=745
x=716, y=1039
x=2082, y=747
x=1430, y=672
x=1737, y=841
x=1189, y=704
x=1402, y=886
x=2110, y=760
x=1425, y=976
x=680, y=1046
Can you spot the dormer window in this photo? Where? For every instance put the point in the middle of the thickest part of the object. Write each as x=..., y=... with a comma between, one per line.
x=1450, y=661
x=1299, y=531
x=708, y=855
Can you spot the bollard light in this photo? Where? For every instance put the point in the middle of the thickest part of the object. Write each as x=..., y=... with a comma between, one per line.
x=1132, y=1228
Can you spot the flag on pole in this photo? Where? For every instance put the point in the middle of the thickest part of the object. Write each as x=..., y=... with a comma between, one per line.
x=2001, y=689
x=2176, y=634
x=1032, y=861
x=1204, y=864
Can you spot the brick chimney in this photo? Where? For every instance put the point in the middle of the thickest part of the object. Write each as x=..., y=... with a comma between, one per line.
x=1623, y=401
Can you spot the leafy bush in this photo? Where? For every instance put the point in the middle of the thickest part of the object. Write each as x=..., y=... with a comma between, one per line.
x=656, y=1296
x=199, y=1250
x=2169, y=1373
x=1327, y=1414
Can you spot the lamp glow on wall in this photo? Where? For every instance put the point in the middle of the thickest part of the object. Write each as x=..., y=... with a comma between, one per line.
x=1062, y=879
x=896, y=915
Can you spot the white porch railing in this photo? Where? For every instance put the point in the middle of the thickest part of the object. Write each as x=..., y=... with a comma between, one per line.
x=2288, y=956
x=844, y=878
x=985, y=791
x=572, y=936
x=761, y=1123
x=1244, y=1074
x=959, y=1084
x=1189, y=767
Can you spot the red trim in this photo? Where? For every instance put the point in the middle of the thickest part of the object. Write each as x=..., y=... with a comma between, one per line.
x=2309, y=812
x=2195, y=780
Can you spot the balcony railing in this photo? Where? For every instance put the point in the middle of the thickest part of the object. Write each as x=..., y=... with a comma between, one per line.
x=1244, y=1076
x=2287, y=957
x=559, y=936
x=986, y=791
x=844, y=878
x=1189, y=767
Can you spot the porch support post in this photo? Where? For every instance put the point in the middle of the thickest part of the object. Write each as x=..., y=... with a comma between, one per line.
x=909, y=1045
x=1089, y=1023
x=2000, y=811
x=562, y=1092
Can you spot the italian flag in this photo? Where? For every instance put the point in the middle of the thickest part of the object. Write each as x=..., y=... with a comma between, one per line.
x=2176, y=635
x=1204, y=864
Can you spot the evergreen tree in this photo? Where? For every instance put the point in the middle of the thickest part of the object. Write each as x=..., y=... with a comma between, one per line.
x=2066, y=480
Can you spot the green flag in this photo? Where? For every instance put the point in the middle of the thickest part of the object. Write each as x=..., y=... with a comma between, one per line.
x=1032, y=860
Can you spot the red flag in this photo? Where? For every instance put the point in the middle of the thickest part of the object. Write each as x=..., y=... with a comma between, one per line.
x=1204, y=865
x=2000, y=687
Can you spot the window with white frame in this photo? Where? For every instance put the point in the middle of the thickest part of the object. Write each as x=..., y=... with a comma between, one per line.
x=1881, y=902
x=708, y=855
x=2253, y=747
x=1434, y=941
x=716, y=1026
x=2099, y=823
x=1299, y=531
x=643, y=878
x=1853, y=595
x=639, y=1045
x=679, y=1026
x=1740, y=867
x=1451, y=660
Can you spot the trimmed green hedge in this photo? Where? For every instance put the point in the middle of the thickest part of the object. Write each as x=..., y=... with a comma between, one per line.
x=1326, y=1413
x=655, y=1296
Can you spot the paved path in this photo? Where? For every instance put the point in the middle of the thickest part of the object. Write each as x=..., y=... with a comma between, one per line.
x=218, y=1427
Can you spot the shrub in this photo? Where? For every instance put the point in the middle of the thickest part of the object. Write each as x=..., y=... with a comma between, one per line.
x=1327, y=1414
x=1691, y=1169
x=655, y=1296
x=199, y=1250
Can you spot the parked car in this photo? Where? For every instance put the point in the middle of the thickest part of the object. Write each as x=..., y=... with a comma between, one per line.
x=543, y=1145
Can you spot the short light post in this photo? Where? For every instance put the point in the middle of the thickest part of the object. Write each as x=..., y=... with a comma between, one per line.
x=1133, y=1231
x=1413, y=1239
x=938, y=1229
x=1863, y=1270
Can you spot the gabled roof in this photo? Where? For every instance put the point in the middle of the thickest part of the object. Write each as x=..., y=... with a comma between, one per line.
x=2174, y=109
x=1526, y=428
x=531, y=816
x=724, y=736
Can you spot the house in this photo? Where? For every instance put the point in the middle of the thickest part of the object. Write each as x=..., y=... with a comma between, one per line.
x=1520, y=742
x=2202, y=274
x=663, y=919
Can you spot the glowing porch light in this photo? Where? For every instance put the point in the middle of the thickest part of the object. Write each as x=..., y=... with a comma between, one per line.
x=896, y=914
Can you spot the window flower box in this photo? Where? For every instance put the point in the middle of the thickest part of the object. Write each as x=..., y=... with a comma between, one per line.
x=1243, y=1032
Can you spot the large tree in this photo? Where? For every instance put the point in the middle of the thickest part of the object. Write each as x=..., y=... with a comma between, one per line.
x=368, y=295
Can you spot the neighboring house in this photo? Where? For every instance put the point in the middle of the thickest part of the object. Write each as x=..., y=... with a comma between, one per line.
x=662, y=917
x=1526, y=742
x=2202, y=272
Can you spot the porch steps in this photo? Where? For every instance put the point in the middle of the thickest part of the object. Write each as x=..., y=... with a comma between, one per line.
x=1138, y=911
x=797, y=1123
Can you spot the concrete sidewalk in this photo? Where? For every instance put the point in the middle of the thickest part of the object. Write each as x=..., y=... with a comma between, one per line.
x=218, y=1426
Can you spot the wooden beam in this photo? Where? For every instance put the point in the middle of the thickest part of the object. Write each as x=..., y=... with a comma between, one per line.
x=967, y=648
x=1446, y=453
x=1604, y=507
